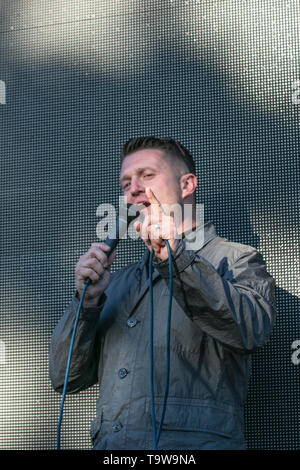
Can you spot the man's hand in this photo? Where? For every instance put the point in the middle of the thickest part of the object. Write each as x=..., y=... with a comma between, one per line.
x=157, y=227
x=94, y=265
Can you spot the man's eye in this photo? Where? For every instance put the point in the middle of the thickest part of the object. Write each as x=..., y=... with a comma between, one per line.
x=148, y=174
x=126, y=186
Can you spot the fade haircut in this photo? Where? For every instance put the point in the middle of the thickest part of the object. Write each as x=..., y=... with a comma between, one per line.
x=171, y=149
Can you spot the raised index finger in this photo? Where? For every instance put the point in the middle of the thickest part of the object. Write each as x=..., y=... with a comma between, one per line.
x=152, y=198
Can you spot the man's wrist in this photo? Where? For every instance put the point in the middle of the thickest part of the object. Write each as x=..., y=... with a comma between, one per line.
x=92, y=303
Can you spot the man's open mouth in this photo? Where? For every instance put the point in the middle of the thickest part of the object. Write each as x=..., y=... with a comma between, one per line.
x=142, y=204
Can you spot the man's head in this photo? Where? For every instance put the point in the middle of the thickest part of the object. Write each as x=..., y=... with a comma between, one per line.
x=163, y=165
x=168, y=169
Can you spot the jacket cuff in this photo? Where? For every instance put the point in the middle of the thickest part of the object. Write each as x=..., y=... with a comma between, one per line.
x=182, y=257
x=89, y=312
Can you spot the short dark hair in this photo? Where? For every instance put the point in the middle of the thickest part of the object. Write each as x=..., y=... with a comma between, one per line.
x=169, y=146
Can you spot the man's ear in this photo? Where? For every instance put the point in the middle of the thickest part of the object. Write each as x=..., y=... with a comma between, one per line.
x=188, y=184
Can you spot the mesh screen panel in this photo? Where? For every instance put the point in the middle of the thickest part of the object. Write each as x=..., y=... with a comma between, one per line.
x=77, y=79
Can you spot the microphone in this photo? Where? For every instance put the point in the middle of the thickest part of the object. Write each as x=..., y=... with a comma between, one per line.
x=127, y=214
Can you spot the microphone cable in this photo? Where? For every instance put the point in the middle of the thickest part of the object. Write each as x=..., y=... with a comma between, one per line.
x=87, y=283
x=156, y=435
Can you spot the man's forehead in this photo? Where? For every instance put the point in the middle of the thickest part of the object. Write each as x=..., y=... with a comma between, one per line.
x=141, y=159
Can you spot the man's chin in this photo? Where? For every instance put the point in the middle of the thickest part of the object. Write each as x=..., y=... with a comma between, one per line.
x=144, y=210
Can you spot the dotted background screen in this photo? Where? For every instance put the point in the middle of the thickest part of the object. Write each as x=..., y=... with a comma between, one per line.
x=77, y=79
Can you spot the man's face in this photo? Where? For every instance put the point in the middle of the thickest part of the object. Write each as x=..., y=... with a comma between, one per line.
x=148, y=168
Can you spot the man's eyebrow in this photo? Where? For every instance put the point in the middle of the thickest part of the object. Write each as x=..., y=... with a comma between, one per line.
x=138, y=171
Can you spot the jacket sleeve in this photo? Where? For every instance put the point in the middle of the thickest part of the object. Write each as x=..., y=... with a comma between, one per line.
x=85, y=355
x=234, y=303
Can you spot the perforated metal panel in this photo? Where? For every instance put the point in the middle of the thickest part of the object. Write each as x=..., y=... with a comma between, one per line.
x=77, y=79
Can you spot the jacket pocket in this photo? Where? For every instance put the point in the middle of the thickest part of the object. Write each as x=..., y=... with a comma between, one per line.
x=196, y=415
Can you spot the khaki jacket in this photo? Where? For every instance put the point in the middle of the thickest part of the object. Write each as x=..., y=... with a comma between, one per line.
x=226, y=312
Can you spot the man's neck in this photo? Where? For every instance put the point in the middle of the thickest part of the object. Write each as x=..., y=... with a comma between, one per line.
x=189, y=222
x=186, y=226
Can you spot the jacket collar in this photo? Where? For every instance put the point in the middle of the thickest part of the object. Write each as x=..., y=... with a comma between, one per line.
x=209, y=232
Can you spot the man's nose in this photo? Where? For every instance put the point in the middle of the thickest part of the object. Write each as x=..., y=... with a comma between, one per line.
x=136, y=186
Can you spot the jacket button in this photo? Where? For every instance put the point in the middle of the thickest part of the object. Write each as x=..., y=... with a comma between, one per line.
x=122, y=373
x=131, y=322
x=117, y=426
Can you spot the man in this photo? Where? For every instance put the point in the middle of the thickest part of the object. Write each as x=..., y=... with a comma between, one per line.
x=223, y=309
